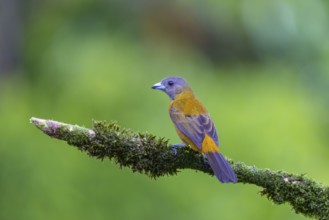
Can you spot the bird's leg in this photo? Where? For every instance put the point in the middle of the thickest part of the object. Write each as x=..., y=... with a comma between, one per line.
x=175, y=146
x=205, y=159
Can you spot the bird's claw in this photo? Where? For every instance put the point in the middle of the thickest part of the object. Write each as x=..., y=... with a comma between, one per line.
x=175, y=146
x=205, y=159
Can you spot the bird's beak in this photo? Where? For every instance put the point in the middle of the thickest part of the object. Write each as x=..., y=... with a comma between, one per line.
x=158, y=86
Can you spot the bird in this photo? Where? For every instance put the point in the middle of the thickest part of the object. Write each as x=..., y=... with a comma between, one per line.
x=194, y=125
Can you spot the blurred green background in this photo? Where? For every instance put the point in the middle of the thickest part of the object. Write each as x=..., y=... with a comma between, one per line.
x=260, y=67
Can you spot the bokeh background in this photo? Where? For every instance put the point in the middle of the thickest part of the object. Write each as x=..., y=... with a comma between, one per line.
x=260, y=67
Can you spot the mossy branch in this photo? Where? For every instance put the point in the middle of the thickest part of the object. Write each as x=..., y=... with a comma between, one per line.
x=153, y=156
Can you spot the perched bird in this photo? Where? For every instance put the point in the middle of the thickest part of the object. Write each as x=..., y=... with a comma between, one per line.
x=194, y=125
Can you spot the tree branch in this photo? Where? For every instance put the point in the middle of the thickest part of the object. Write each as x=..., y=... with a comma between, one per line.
x=153, y=156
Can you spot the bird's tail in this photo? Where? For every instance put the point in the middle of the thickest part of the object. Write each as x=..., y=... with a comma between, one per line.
x=221, y=167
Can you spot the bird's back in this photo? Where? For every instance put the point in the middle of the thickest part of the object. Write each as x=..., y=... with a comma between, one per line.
x=187, y=104
x=193, y=123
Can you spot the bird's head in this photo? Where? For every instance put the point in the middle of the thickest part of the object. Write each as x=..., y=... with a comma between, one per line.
x=172, y=86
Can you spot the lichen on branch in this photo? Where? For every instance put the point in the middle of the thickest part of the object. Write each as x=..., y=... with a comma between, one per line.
x=153, y=156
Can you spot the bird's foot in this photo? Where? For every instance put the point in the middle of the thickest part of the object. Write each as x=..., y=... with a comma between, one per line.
x=205, y=159
x=175, y=146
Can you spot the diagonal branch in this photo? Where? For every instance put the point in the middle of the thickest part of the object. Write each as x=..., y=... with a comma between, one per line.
x=153, y=156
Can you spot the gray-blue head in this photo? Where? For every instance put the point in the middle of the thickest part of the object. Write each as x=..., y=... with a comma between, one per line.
x=172, y=86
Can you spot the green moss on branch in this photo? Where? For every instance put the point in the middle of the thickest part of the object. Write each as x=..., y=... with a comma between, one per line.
x=153, y=156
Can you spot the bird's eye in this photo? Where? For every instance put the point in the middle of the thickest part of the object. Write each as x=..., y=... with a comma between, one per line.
x=170, y=83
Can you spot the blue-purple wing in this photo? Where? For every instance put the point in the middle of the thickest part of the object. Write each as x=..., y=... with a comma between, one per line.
x=195, y=127
x=208, y=126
